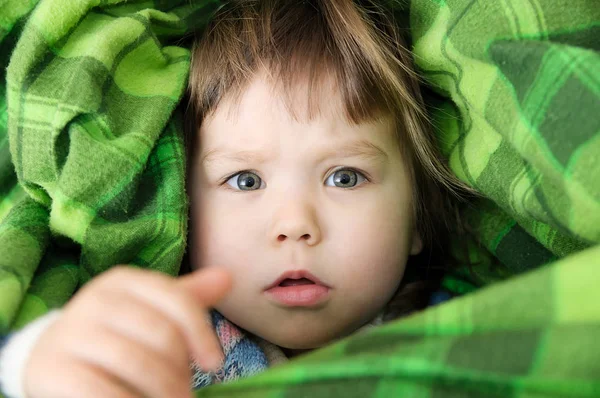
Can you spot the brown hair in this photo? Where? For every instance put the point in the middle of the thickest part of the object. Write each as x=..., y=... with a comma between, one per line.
x=355, y=42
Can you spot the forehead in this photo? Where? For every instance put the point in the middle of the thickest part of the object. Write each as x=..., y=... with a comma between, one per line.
x=265, y=110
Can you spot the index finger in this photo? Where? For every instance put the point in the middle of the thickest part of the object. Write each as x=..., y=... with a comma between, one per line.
x=208, y=285
x=180, y=306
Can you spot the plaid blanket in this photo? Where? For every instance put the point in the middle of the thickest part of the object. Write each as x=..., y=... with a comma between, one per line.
x=92, y=175
x=96, y=143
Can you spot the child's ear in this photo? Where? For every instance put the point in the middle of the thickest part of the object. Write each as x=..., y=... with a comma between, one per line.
x=416, y=244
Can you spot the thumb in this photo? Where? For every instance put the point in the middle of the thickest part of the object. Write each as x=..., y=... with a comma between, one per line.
x=207, y=285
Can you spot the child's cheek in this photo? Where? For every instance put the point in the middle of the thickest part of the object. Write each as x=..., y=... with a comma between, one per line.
x=228, y=232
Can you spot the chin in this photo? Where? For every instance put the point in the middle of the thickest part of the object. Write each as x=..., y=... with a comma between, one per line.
x=302, y=337
x=297, y=329
x=301, y=343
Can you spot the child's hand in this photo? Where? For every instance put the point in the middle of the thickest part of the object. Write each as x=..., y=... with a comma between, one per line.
x=129, y=333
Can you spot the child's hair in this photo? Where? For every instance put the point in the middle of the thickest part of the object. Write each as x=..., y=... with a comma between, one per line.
x=358, y=44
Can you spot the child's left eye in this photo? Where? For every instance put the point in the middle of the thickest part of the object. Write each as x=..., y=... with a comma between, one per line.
x=345, y=178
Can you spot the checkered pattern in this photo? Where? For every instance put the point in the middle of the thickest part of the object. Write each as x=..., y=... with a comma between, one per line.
x=96, y=142
x=90, y=116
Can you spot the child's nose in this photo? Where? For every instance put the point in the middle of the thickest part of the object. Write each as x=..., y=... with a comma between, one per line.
x=296, y=222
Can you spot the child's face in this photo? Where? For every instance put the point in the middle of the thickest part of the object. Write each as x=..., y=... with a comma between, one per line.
x=294, y=212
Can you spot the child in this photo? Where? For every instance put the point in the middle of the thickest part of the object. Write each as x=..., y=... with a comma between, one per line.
x=312, y=177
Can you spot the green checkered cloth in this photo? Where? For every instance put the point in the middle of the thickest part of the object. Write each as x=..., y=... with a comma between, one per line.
x=96, y=142
x=92, y=175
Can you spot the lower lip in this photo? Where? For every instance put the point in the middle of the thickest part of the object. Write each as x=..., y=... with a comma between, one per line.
x=299, y=295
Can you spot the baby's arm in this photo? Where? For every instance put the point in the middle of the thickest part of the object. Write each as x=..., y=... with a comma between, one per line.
x=128, y=333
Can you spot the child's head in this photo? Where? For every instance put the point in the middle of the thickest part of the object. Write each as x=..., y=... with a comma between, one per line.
x=310, y=153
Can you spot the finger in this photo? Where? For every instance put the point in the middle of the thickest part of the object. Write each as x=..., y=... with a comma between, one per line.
x=132, y=364
x=208, y=286
x=81, y=381
x=179, y=305
x=135, y=319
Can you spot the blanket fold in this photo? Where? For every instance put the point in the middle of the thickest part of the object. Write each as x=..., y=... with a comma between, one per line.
x=92, y=174
x=95, y=140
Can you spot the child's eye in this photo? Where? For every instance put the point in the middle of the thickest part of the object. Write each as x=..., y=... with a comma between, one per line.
x=245, y=181
x=345, y=178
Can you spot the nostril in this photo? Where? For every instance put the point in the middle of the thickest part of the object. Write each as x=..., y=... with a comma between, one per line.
x=283, y=237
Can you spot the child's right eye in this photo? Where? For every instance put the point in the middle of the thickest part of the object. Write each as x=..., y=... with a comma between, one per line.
x=245, y=181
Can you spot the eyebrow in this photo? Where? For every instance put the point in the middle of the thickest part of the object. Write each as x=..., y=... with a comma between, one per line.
x=356, y=149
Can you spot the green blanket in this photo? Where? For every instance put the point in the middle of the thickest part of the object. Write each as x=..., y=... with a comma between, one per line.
x=92, y=175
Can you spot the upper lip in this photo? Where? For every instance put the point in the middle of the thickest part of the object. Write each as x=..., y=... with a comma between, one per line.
x=297, y=274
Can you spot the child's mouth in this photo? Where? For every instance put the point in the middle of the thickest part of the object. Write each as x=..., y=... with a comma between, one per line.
x=298, y=289
x=296, y=282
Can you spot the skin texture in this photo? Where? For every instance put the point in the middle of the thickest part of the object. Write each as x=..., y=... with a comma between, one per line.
x=356, y=240
x=131, y=332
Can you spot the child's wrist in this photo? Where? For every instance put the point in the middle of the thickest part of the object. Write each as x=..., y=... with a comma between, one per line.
x=15, y=355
